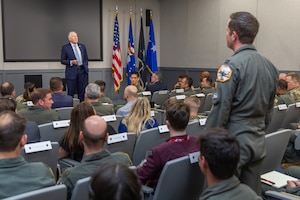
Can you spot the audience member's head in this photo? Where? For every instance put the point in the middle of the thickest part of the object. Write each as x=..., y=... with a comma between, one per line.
x=177, y=116
x=282, y=76
x=12, y=137
x=93, y=134
x=180, y=77
x=56, y=84
x=194, y=104
x=8, y=89
x=220, y=152
x=281, y=87
x=186, y=83
x=204, y=74
x=78, y=114
x=8, y=104
x=169, y=102
x=134, y=78
x=28, y=89
x=292, y=80
x=92, y=92
x=42, y=97
x=156, y=77
x=102, y=85
x=130, y=93
x=140, y=113
x=206, y=82
x=115, y=182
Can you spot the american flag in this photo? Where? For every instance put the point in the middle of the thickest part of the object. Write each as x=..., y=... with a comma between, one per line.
x=116, y=57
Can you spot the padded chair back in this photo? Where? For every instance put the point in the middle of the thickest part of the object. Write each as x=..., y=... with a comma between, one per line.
x=276, y=144
x=115, y=124
x=80, y=191
x=53, y=192
x=32, y=131
x=125, y=146
x=292, y=115
x=75, y=102
x=48, y=132
x=160, y=116
x=194, y=128
x=159, y=97
x=64, y=112
x=276, y=119
x=207, y=104
x=146, y=94
x=146, y=140
x=179, y=180
x=48, y=157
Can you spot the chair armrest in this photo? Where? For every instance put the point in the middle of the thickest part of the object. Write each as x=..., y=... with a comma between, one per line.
x=281, y=195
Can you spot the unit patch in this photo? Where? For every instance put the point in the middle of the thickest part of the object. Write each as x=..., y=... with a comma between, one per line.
x=224, y=73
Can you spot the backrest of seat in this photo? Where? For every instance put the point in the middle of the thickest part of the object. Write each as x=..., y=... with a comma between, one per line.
x=160, y=116
x=276, y=119
x=48, y=157
x=48, y=132
x=80, y=191
x=32, y=131
x=58, y=192
x=292, y=115
x=179, y=180
x=276, y=144
x=194, y=128
x=115, y=124
x=75, y=102
x=64, y=112
x=125, y=146
x=207, y=104
x=146, y=140
x=159, y=97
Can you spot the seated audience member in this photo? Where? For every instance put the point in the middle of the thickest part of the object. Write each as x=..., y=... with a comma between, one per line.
x=186, y=84
x=16, y=175
x=114, y=181
x=59, y=99
x=179, y=144
x=93, y=135
x=26, y=96
x=203, y=74
x=135, y=80
x=282, y=95
x=139, y=118
x=31, y=129
x=177, y=85
x=293, y=82
x=28, y=89
x=41, y=111
x=69, y=144
x=7, y=90
x=92, y=95
x=156, y=84
x=194, y=104
x=103, y=98
x=130, y=96
x=220, y=152
x=207, y=85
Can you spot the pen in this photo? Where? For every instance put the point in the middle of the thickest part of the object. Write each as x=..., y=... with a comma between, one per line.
x=268, y=181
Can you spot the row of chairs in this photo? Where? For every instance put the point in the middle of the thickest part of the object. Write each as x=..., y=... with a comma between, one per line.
x=180, y=179
x=283, y=116
x=159, y=97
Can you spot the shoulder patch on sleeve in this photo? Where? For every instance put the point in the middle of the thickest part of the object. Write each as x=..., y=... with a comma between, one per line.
x=224, y=73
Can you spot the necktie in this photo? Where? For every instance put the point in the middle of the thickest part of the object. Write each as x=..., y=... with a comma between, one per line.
x=77, y=54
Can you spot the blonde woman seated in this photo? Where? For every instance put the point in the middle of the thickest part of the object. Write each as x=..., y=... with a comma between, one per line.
x=139, y=118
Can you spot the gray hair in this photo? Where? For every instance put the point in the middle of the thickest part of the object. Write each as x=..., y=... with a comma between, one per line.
x=92, y=91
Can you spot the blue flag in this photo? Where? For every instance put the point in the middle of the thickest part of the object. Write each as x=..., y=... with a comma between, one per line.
x=130, y=54
x=151, y=60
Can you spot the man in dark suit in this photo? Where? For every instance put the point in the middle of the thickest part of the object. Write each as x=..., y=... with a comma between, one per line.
x=74, y=56
x=156, y=84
